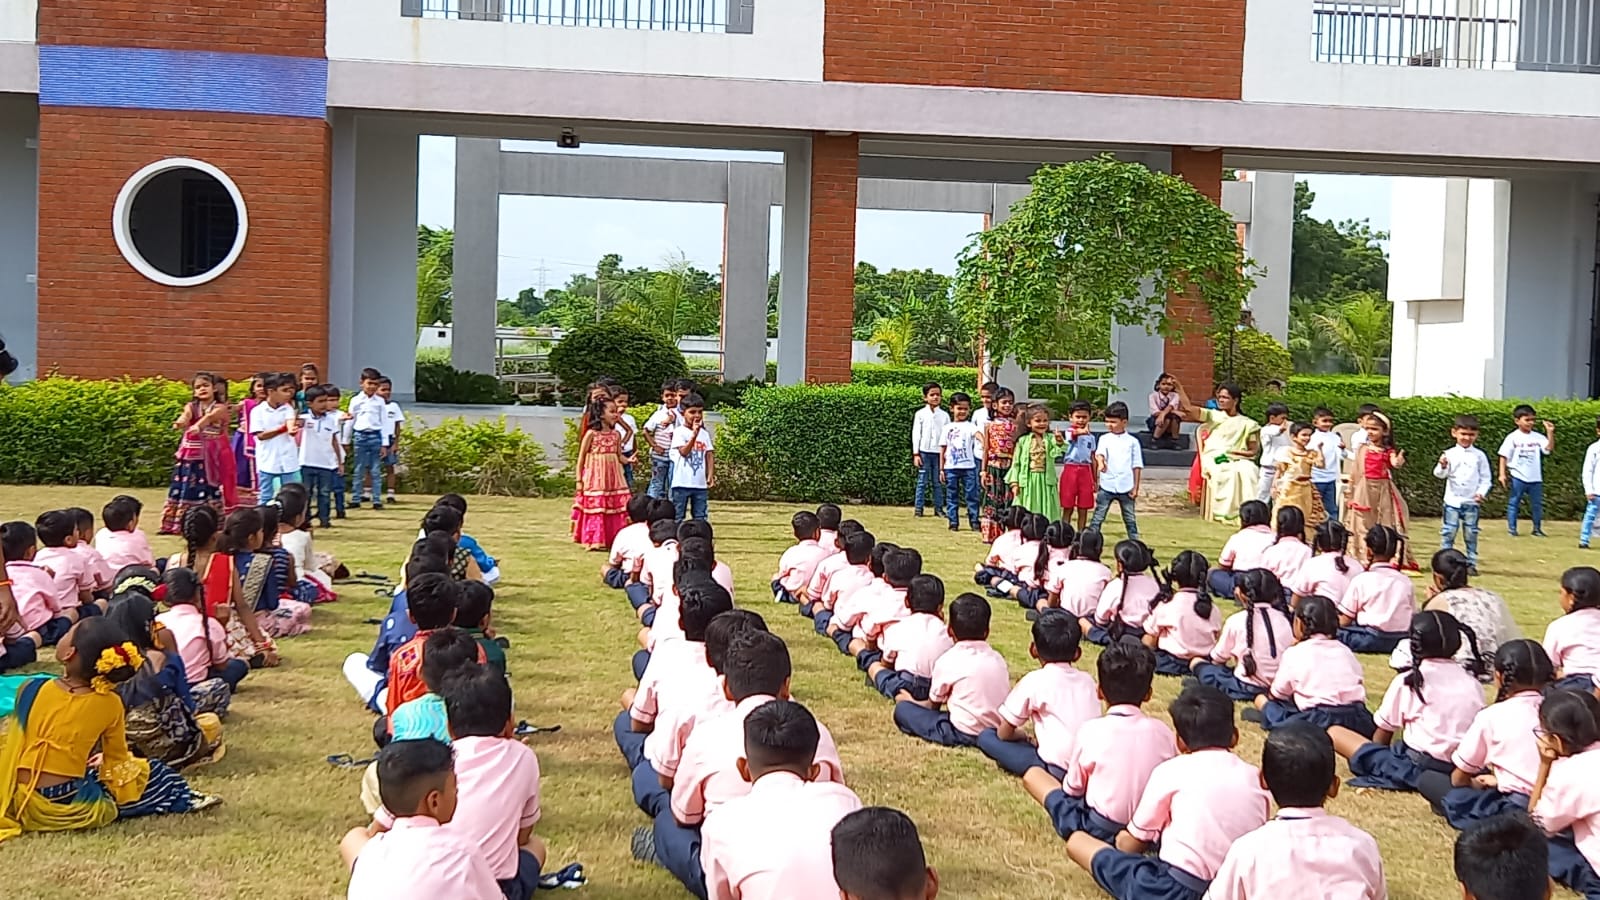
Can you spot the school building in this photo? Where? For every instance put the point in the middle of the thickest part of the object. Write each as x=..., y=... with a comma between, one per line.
x=232, y=185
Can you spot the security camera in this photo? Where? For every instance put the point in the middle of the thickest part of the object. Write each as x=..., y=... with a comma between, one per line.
x=568, y=140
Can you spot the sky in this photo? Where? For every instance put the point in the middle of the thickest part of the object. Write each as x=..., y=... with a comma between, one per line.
x=544, y=240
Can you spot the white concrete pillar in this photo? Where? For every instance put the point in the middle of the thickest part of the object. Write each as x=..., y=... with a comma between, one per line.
x=1269, y=240
x=19, y=231
x=1550, y=259
x=747, y=228
x=796, y=256
x=477, y=255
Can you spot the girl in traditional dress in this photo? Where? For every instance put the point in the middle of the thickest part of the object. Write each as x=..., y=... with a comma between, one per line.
x=1372, y=498
x=999, y=442
x=244, y=443
x=162, y=720
x=201, y=451
x=1482, y=611
x=599, y=509
x=277, y=612
x=1227, y=457
x=224, y=598
x=1292, y=485
x=1032, y=476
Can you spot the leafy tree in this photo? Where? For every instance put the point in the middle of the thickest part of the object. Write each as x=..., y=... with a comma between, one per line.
x=675, y=300
x=435, y=267
x=1101, y=237
x=1359, y=330
x=1338, y=283
x=772, y=306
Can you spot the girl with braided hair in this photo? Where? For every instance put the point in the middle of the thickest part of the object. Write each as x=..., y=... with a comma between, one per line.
x=1319, y=680
x=1573, y=641
x=1125, y=602
x=1375, y=613
x=1183, y=624
x=208, y=551
x=1253, y=639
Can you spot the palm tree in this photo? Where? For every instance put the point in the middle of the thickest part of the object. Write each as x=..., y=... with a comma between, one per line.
x=435, y=268
x=1359, y=330
x=667, y=300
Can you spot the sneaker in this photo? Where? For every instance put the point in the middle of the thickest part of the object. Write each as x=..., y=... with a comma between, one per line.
x=390, y=499
x=339, y=515
x=356, y=504
x=643, y=844
x=954, y=527
x=1249, y=714
x=377, y=507
x=1583, y=546
x=1540, y=534
x=919, y=513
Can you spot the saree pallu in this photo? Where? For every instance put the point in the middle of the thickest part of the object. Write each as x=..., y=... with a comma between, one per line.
x=79, y=804
x=264, y=576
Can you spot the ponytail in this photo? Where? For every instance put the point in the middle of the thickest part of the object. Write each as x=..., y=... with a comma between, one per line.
x=1291, y=523
x=1384, y=543
x=1261, y=588
x=1133, y=557
x=1522, y=665
x=1188, y=572
x=1058, y=536
x=1333, y=537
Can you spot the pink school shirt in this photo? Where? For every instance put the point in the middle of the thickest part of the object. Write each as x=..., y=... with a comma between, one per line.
x=1571, y=799
x=829, y=541
x=72, y=575
x=1320, y=576
x=1243, y=550
x=1434, y=725
x=417, y=857
x=1302, y=853
x=1079, y=583
x=799, y=563
x=1573, y=642
x=1000, y=551
x=1234, y=642
x=498, y=795
x=1285, y=558
x=1135, y=602
x=823, y=572
x=95, y=564
x=776, y=842
x=1179, y=631
x=708, y=775
x=664, y=746
x=124, y=548
x=1058, y=699
x=1319, y=671
x=191, y=631
x=1380, y=598
x=884, y=607
x=846, y=582
x=37, y=596
x=971, y=679
x=655, y=570
x=1056, y=559
x=1498, y=741
x=1112, y=760
x=676, y=665
x=1022, y=559
x=849, y=605
x=915, y=643
x=1198, y=804
x=629, y=546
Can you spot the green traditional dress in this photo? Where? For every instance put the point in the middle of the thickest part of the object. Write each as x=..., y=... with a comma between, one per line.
x=1033, y=475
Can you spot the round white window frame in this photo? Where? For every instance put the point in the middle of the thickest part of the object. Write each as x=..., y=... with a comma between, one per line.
x=124, y=206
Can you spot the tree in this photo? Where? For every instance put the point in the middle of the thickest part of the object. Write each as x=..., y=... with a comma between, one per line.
x=435, y=268
x=1338, y=285
x=772, y=306
x=675, y=300
x=1359, y=330
x=1099, y=237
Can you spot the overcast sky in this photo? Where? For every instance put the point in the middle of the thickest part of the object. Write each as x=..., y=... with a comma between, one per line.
x=544, y=240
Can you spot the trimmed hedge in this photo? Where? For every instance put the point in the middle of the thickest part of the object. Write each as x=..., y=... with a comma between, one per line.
x=637, y=357
x=1357, y=385
x=478, y=458
x=70, y=431
x=951, y=378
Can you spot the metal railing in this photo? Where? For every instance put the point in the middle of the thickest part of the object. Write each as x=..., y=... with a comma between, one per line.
x=717, y=16
x=1539, y=35
x=1057, y=375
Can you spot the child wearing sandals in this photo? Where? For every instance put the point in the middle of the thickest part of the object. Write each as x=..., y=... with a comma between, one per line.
x=1057, y=698
x=1183, y=624
x=1319, y=679
x=1573, y=640
x=1432, y=705
x=1254, y=639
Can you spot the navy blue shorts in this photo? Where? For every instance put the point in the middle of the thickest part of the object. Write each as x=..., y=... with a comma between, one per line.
x=809, y=610
x=522, y=885
x=630, y=742
x=1070, y=813
x=1223, y=679
x=54, y=630
x=781, y=593
x=842, y=640
x=1466, y=806
x=18, y=653
x=1131, y=876
x=986, y=574
x=892, y=681
x=931, y=725
x=616, y=578
x=1583, y=684
x=1569, y=867
x=1395, y=767
x=1354, y=716
x=820, y=619
x=866, y=658
x=1169, y=664
x=1016, y=757
x=638, y=594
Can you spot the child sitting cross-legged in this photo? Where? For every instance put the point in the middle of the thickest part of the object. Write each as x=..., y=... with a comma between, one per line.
x=833, y=562
x=1254, y=639
x=431, y=604
x=915, y=643
x=446, y=652
x=201, y=642
x=162, y=719
x=799, y=562
x=846, y=573
x=877, y=855
x=42, y=619
x=1375, y=613
x=628, y=547
x=1112, y=756
x=883, y=605
x=1183, y=624
x=1057, y=698
x=678, y=675
x=970, y=679
x=1304, y=852
x=474, y=614
x=1319, y=679
x=848, y=599
x=1195, y=804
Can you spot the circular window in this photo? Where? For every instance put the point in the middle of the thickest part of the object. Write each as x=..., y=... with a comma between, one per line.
x=180, y=222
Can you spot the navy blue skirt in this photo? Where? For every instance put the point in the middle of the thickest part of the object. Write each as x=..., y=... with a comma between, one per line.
x=1354, y=716
x=1467, y=806
x=1395, y=767
x=1168, y=664
x=1223, y=679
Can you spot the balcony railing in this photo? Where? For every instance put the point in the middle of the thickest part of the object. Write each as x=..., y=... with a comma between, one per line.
x=719, y=16
x=1538, y=35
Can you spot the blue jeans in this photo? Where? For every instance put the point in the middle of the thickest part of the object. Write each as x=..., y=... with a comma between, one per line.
x=660, y=477
x=321, y=483
x=1125, y=504
x=689, y=502
x=961, y=494
x=928, y=482
x=369, y=453
x=272, y=482
x=1534, y=490
x=1459, y=517
x=1588, y=521
x=1329, y=490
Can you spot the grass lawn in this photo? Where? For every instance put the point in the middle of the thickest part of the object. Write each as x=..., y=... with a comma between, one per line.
x=285, y=807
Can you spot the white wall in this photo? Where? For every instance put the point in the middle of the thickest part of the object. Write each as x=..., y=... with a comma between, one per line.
x=19, y=60
x=18, y=20
x=786, y=44
x=1279, y=67
x=1548, y=289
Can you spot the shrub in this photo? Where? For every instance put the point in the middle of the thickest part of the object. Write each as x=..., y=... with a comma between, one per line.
x=1362, y=385
x=1257, y=359
x=439, y=383
x=951, y=378
x=481, y=458
x=70, y=431
x=634, y=355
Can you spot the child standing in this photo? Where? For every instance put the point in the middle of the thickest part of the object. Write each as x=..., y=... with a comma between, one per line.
x=367, y=414
x=1325, y=474
x=1522, y=456
x=1263, y=625
x=1465, y=471
x=1591, y=489
x=1274, y=445
x=1032, y=477
x=658, y=430
x=1120, y=463
x=999, y=446
x=601, y=503
x=276, y=429
x=926, y=427
x=1373, y=498
x=970, y=677
x=197, y=477
x=1183, y=624
x=393, y=418
x=958, y=464
x=1078, y=469
x=321, y=452
x=630, y=433
x=693, y=460
x=1294, y=485
x=1057, y=699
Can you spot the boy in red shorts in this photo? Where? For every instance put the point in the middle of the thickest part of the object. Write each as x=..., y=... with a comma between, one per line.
x=1077, y=473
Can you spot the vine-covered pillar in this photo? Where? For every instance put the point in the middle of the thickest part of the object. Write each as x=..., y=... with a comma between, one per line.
x=1191, y=358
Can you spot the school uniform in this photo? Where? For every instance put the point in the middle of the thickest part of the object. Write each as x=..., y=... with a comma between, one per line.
x=1320, y=681
x=655, y=574
x=1285, y=557
x=1433, y=725
x=844, y=582
x=1058, y=698
x=1320, y=576
x=776, y=842
x=1196, y=805
x=100, y=573
x=1270, y=634
x=667, y=620
x=1496, y=742
x=795, y=568
x=1569, y=811
x=1107, y=771
x=38, y=602
x=848, y=609
x=1180, y=634
x=971, y=680
x=664, y=755
x=677, y=673
x=915, y=644
x=1573, y=642
x=71, y=575
x=1079, y=584
x=1037, y=588
x=627, y=551
x=1241, y=553
x=417, y=857
x=818, y=584
x=498, y=795
x=1021, y=560
x=996, y=563
x=1381, y=601
x=1132, y=601
x=884, y=608
x=1304, y=852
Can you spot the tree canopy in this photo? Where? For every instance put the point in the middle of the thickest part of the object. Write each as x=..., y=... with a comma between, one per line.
x=1339, y=314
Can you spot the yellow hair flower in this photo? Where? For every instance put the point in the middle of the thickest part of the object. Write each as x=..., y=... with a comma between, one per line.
x=111, y=659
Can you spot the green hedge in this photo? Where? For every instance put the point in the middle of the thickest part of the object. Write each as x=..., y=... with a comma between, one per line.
x=479, y=458
x=951, y=378
x=1358, y=385
x=69, y=431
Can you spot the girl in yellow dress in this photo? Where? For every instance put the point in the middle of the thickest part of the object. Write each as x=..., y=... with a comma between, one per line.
x=1292, y=486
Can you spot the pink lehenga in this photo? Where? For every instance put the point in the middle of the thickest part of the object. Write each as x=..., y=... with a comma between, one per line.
x=599, y=508
x=204, y=472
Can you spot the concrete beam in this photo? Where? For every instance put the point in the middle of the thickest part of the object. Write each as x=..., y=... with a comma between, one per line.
x=475, y=284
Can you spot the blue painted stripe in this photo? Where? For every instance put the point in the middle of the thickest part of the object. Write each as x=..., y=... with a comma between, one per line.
x=186, y=80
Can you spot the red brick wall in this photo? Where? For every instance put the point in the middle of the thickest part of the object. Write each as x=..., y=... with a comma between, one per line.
x=98, y=318
x=282, y=27
x=1193, y=358
x=1184, y=48
x=830, y=301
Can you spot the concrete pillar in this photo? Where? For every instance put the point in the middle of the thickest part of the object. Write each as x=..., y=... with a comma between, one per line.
x=1442, y=340
x=1008, y=372
x=19, y=229
x=1546, y=346
x=477, y=255
x=830, y=302
x=795, y=253
x=1191, y=358
x=1270, y=242
x=747, y=228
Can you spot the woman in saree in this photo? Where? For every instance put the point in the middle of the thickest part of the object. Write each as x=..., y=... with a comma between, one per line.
x=1228, y=454
x=204, y=459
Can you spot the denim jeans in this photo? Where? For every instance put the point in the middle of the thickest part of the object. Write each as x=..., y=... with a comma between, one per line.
x=1464, y=516
x=1125, y=504
x=272, y=482
x=369, y=452
x=1588, y=521
x=1330, y=496
x=320, y=483
x=961, y=493
x=928, y=487
x=1534, y=491
x=689, y=502
x=660, y=477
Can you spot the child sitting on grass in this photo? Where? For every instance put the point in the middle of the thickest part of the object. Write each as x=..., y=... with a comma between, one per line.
x=628, y=547
x=75, y=584
x=99, y=570
x=914, y=644
x=877, y=855
x=836, y=560
x=799, y=562
x=121, y=541
x=162, y=721
x=201, y=642
x=487, y=565
x=1057, y=698
x=43, y=614
x=854, y=574
x=970, y=678
x=474, y=615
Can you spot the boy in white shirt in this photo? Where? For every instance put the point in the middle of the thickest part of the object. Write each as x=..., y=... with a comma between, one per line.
x=658, y=430
x=1522, y=459
x=1465, y=470
x=367, y=414
x=275, y=425
x=1120, y=463
x=393, y=418
x=958, y=464
x=1325, y=478
x=1591, y=488
x=926, y=426
x=321, y=451
x=629, y=426
x=1274, y=443
x=693, y=463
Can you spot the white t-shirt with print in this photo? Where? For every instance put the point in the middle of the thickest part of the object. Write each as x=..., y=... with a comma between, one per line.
x=275, y=455
x=690, y=471
x=959, y=440
x=392, y=417
x=319, y=438
x=1523, y=453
